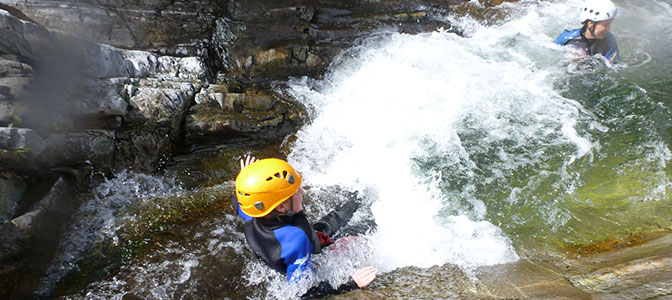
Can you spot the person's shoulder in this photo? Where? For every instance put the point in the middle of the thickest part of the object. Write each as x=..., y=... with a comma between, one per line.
x=292, y=237
x=610, y=38
x=567, y=35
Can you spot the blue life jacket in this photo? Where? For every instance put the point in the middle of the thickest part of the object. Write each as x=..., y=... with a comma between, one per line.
x=606, y=47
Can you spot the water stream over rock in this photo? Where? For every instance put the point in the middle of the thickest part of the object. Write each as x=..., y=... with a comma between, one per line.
x=494, y=164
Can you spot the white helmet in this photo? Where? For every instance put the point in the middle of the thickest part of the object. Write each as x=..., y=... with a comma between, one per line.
x=597, y=10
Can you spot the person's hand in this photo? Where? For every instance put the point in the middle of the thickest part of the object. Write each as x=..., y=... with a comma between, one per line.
x=364, y=276
x=246, y=161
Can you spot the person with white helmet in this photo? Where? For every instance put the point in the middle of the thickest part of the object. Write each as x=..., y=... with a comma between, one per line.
x=269, y=199
x=595, y=36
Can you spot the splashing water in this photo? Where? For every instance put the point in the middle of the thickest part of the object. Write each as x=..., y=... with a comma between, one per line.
x=400, y=99
x=457, y=133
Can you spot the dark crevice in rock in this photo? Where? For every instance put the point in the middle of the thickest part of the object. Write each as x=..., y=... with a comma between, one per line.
x=29, y=241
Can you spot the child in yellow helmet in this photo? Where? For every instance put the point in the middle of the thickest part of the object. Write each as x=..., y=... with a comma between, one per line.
x=269, y=198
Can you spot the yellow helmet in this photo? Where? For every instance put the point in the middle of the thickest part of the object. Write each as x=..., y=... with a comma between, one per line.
x=264, y=184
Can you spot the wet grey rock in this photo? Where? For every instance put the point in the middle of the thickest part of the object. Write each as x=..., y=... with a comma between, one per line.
x=35, y=232
x=153, y=125
x=11, y=190
x=104, y=61
x=21, y=43
x=174, y=27
x=102, y=98
x=88, y=148
x=14, y=77
x=19, y=149
x=24, y=39
x=85, y=86
x=256, y=114
x=24, y=141
x=252, y=43
x=638, y=279
x=148, y=96
x=643, y=271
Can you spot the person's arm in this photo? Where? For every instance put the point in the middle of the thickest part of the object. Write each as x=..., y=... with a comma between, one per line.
x=612, y=54
x=324, y=289
x=360, y=279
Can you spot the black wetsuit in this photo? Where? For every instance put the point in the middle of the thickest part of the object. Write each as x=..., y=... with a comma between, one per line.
x=286, y=243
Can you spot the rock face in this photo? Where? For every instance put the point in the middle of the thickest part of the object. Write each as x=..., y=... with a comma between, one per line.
x=99, y=95
x=173, y=27
x=69, y=108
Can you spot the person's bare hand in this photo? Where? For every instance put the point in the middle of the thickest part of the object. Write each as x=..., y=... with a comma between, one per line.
x=246, y=161
x=364, y=276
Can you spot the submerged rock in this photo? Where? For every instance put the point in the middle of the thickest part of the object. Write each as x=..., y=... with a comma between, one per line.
x=640, y=272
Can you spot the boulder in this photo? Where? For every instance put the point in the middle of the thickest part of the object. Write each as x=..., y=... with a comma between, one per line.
x=93, y=148
x=153, y=125
x=249, y=114
x=24, y=39
x=101, y=98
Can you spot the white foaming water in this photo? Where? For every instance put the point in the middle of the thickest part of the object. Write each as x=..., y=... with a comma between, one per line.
x=97, y=219
x=384, y=102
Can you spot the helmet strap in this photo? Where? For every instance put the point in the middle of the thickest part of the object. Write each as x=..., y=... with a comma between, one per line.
x=592, y=29
x=587, y=27
x=290, y=212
